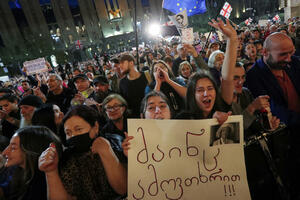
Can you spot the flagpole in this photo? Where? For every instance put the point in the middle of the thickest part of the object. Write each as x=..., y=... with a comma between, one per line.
x=136, y=37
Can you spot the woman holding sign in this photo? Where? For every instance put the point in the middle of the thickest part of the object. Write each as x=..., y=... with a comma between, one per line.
x=155, y=105
x=203, y=99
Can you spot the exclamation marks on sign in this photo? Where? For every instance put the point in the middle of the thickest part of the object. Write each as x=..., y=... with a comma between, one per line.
x=229, y=190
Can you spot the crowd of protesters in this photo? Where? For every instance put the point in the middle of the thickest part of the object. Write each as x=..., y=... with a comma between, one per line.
x=64, y=132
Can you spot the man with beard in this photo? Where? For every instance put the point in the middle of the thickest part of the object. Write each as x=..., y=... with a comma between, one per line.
x=277, y=75
x=101, y=87
x=114, y=81
x=132, y=86
x=27, y=106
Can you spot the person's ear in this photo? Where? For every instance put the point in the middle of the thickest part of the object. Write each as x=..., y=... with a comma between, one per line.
x=265, y=52
x=132, y=63
x=95, y=130
x=61, y=116
x=142, y=116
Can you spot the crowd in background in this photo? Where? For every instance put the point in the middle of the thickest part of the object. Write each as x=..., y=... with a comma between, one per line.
x=64, y=132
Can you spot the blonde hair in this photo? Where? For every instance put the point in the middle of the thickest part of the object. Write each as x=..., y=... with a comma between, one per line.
x=182, y=65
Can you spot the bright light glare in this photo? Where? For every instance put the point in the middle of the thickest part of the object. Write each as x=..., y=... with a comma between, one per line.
x=154, y=29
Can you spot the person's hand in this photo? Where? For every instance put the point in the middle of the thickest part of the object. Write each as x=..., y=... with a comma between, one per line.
x=38, y=78
x=79, y=97
x=221, y=116
x=126, y=144
x=226, y=29
x=48, y=66
x=26, y=93
x=101, y=146
x=190, y=49
x=158, y=76
x=48, y=160
x=164, y=76
x=274, y=122
x=259, y=103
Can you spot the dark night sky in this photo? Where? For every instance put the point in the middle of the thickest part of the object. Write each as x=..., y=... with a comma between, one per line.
x=15, y=3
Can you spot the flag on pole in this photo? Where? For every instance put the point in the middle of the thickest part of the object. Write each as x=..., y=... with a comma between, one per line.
x=276, y=18
x=226, y=10
x=180, y=20
x=193, y=7
x=248, y=21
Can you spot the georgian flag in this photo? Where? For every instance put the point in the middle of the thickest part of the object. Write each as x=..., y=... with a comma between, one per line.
x=226, y=10
x=248, y=21
x=276, y=18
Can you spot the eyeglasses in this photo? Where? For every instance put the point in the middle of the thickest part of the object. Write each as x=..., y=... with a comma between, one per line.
x=152, y=108
x=113, y=108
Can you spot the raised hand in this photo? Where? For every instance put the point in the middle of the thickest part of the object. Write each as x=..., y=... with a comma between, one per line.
x=226, y=29
x=48, y=160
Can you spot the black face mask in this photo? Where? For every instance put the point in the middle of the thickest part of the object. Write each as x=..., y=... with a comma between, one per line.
x=80, y=143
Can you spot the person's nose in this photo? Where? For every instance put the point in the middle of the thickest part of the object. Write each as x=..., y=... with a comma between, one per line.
x=5, y=152
x=240, y=82
x=205, y=93
x=157, y=109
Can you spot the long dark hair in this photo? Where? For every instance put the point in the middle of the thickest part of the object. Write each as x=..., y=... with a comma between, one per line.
x=170, y=72
x=87, y=113
x=44, y=116
x=191, y=103
x=154, y=93
x=33, y=141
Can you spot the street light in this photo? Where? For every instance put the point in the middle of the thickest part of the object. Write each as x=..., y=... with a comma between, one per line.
x=154, y=29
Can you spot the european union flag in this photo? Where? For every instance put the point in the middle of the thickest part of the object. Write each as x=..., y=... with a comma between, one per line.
x=192, y=7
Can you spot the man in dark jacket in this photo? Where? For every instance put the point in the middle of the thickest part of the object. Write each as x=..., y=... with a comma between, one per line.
x=57, y=94
x=277, y=75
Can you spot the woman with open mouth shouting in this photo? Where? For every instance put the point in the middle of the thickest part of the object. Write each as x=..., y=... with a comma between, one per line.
x=203, y=99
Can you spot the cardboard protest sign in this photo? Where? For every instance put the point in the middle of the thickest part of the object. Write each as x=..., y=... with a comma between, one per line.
x=180, y=159
x=187, y=36
x=36, y=66
x=263, y=22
